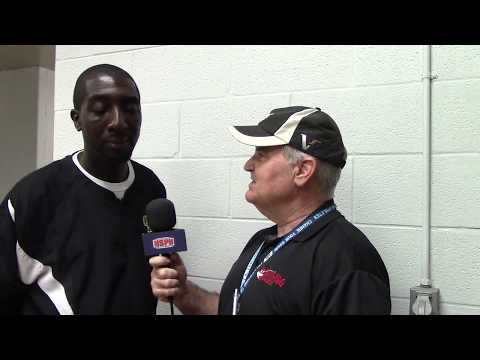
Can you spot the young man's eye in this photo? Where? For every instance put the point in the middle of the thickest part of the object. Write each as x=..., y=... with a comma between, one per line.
x=98, y=108
x=131, y=107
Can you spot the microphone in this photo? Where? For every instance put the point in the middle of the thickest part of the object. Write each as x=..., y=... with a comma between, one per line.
x=162, y=238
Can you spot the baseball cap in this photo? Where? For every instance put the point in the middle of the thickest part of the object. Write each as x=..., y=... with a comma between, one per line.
x=307, y=129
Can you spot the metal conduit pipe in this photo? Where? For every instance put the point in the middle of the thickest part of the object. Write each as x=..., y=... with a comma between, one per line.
x=424, y=299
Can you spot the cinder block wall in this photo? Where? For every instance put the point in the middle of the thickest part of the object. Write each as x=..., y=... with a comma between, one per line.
x=191, y=94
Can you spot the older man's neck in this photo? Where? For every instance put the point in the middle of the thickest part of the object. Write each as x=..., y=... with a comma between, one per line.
x=293, y=214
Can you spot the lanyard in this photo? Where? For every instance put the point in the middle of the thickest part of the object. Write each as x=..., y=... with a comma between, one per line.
x=307, y=223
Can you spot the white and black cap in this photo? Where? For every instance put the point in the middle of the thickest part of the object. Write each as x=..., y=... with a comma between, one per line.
x=307, y=129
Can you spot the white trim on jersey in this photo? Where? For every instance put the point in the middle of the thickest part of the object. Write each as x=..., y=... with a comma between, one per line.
x=11, y=210
x=118, y=189
x=31, y=271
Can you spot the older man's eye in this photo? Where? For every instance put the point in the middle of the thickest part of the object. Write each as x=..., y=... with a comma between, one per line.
x=259, y=155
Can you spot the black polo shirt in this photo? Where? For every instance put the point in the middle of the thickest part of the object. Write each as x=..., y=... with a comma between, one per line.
x=329, y=268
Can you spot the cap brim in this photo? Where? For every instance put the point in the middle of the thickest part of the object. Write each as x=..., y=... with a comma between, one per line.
x=255, y=136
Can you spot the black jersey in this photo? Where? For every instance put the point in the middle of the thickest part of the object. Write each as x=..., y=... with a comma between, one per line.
x=329, y=268
x=70, y=246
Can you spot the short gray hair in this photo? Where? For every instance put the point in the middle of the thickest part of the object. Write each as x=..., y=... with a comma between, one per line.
x=326, y=175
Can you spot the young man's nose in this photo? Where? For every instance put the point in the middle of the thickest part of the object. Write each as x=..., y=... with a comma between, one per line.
x=117, y=118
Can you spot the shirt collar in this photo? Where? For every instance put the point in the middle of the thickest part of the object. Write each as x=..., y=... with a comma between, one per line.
x=314, y=228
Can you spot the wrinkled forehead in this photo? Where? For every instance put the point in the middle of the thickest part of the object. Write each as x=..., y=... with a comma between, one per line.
x=269, y=148
x=270, y=151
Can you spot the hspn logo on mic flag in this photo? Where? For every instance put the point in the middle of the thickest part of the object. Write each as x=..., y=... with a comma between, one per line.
x=165, y=242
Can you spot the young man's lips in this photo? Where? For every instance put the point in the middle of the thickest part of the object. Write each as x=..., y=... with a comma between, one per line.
x=117, y=144
x=117, y=141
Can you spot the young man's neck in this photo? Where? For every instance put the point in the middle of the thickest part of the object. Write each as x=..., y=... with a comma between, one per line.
x=103, y=170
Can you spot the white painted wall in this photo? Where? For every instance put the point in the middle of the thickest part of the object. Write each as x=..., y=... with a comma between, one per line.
x=191, y=94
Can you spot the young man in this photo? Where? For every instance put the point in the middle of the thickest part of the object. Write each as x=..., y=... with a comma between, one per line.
x=312, y=261
x=70, y=233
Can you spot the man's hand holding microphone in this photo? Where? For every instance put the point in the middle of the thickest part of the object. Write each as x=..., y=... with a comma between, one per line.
x=169, y=275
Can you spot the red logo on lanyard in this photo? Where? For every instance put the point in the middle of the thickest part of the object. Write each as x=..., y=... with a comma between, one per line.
x=270, y=277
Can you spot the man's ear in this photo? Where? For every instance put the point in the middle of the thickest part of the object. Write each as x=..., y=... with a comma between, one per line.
x=305, y=170
x=74, y=114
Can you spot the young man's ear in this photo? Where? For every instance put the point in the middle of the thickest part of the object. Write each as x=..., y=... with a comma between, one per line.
x=305, y=171
x=74, y=114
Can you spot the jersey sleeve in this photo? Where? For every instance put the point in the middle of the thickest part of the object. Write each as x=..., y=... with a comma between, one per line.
x=355, y=293
x=151, y=180
x=159, y=187
x=11, y=287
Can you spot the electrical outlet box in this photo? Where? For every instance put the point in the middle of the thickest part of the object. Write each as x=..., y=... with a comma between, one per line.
x=424, y=300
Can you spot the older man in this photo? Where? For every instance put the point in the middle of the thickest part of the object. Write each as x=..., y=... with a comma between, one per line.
x=312, y=261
